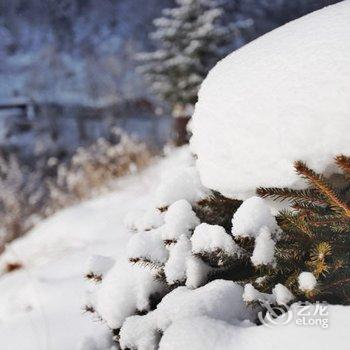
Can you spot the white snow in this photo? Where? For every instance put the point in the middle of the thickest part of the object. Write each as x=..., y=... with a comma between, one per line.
x=99, y=265
x=251, y=294
x=307, y=281
x=179, y=184
x=282, y=294
x=210, y=300
x=98, y=343
x=182, y=265
x=253, y=214
x=283, y=97
x=208, y=238
x=148, y=246
x=198, y=333
x=175, y=267
x=144, y=220
x=264, y=249
x=179, y=219
x=124, y=290
x=131, y=219
x=196, y=271
x=139, y=332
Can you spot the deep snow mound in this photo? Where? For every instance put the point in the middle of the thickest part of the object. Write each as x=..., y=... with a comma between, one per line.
x=281, y=98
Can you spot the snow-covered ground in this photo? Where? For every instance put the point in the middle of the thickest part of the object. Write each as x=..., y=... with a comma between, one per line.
x=41, y=304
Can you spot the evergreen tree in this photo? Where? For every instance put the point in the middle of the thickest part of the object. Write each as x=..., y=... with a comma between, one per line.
x=315, y=235
x=190, y=39
x=302, y=254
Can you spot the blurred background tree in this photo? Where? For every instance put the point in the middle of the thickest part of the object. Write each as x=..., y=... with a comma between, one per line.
x=190, y=39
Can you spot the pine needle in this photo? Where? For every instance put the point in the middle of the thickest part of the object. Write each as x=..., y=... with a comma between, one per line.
x=288, y=219
x=287, y=194
x=321, y=184
x=343, y=163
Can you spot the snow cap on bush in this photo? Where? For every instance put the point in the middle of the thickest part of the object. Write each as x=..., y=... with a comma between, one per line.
x=147, y=246
x=307, y=281
x=179, y=219
x=175, y=267
x=125, y=289
x=264, y=249
x=251, y=217
x=251, y=294
x=284, y=97
x=282, y=294
x=144, y=220
x=197, y=272
x=208, y=238
x=99, y=265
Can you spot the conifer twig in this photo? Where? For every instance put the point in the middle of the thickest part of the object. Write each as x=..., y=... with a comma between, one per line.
x=286, y=217
x=343, y=163
x=302, y=196
x=320, y=183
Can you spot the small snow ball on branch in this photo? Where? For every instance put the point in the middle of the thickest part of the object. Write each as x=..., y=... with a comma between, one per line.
x=98, y=266
x=137, y=221
x=211, y=238
x=147, y=247
x=307, y=282
x=179, y=219
x=251, y=216
x=282, y=294
x=264, y=249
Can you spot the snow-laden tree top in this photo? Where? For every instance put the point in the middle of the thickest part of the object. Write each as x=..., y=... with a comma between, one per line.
x=281, y=98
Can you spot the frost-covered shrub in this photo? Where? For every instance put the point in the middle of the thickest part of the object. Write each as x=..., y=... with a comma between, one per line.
x=92, y=168
x=30, y=193
x=22, y=198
